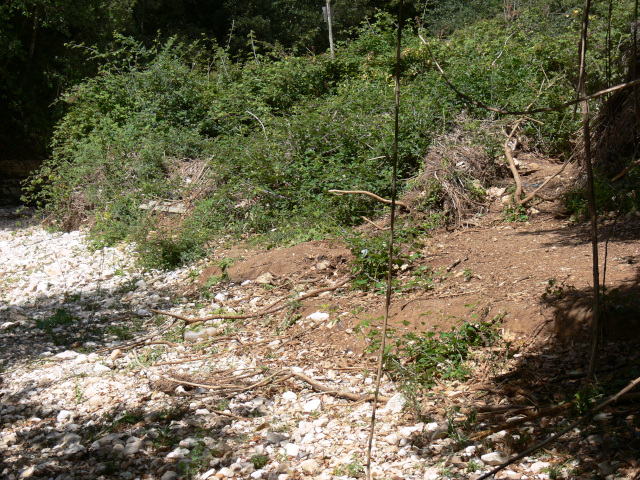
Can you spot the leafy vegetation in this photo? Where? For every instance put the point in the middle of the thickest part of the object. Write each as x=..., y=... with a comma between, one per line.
x=61, y=318
x=417, y=360
x=275, y=129
x=611, y=196
x=370, y=266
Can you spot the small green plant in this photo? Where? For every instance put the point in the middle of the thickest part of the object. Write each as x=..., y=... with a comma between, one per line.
x=455, y=430
x=468, y=274
x=417, y=360
x=586, y=398
x=556, y=291
x=513, y=213
x=259, y=461
x=554, y=471
x=121, y=332
x=446, y=472
x=354, y=468
x=199, y=458
x=78, y=394
x=61, y=317
x=371, y=261
x=422, y=277
x=472, y=466
x=107, y=468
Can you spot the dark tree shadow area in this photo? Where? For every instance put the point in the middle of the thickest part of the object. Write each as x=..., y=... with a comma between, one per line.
x=126, y=437
x=549, y=381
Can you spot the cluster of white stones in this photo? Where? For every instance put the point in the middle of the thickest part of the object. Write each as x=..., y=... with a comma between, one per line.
x=69, y=410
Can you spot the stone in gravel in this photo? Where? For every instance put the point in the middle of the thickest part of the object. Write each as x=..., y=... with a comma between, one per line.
x=263, y=279
x=224, y=472
x=98, y=368
x=257, y=474
x=318, y=316
x=188, y=442
x=321, y=422
x=601, y=417
x=274, y=438
x=538, y=466
x=395, y=404
x=508, y=475
x=28, y=472
x=67, y=354
x=437, y=431
x=292, y=449
x=470, y=450
x=391, y=439
x=289, y=396
x=75, y=448
x=178, y=453
x=220, y=449
x=64, y=415
x=312, y=405
x=310, y=467
x=595, y=439
x=305, y=427
x=81, y=358
x=606, y=468
x=10, y=438
x=71, y=438
x=132, y=448
x=207, y=474
x=406, y=432
x=431, y=473
x=169, y=475
x=494, y=458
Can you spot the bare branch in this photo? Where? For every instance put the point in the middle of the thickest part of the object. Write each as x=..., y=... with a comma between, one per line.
x=606, y=91
x=372, y=195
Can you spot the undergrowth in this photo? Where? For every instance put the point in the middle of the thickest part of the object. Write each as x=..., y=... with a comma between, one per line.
x=416, y=361
x=272, y=135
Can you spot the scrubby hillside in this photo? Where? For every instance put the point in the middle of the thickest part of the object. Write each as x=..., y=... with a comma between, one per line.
x=252, y=146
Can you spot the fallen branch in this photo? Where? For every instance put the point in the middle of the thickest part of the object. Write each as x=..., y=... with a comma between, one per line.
x=342, y=394
x=378, y=227
x=625, y=171
x=372, y=195
x=144, y=340
x=283, y=374
x=268, y=311
x=567, y=429
x=218, y=412
x=512, y=163
x=533, y=194
x=530, y=413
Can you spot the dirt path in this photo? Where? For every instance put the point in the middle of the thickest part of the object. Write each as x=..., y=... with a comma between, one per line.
x=533, y=274
x=95, y=386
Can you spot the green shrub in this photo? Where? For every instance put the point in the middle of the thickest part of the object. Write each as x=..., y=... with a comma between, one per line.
x=370, y=266
x=278, y=133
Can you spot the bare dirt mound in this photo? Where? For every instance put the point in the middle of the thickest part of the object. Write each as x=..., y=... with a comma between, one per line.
x=534, y=275
x=325, y=257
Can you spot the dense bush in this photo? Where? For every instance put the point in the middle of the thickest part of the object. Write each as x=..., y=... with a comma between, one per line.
x=278, y=131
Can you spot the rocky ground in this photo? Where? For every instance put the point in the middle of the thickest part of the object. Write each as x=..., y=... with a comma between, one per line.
x=96, y=383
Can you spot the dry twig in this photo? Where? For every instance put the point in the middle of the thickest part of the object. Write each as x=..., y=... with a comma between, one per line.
x=372, y=195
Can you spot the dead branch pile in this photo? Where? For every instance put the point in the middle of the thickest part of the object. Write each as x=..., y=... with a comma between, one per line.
x=615, y=129
x=453, y=178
